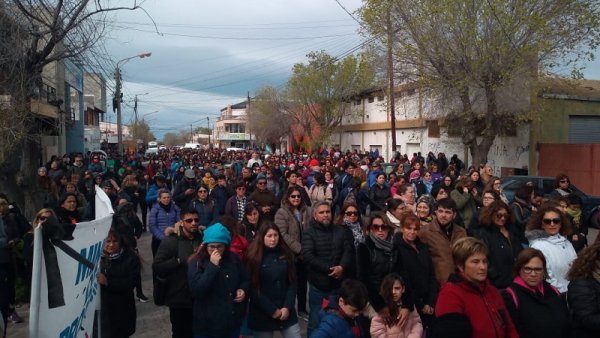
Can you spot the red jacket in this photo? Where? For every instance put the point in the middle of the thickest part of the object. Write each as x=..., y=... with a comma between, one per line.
x=482, y=304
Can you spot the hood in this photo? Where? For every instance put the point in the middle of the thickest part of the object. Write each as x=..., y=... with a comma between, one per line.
x=544, y=236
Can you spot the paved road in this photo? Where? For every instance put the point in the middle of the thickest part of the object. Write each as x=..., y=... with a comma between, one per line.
x=152, y=321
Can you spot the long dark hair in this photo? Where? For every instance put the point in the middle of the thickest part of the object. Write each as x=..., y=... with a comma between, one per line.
x=256, y=251
x=385, y=291
x=286, y=200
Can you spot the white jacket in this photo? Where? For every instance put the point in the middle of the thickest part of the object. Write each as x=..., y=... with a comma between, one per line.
x=559, y=255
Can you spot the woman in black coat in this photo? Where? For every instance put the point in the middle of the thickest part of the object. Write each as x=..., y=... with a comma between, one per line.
x=536, y=308
x=418, y=268
x=379, y=193
x=119, y=268
x=500, y=236
x=584, y=293
x=377, y=257
x=271, y=268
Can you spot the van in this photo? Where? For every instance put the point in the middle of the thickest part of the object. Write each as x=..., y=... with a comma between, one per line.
x=191, y=146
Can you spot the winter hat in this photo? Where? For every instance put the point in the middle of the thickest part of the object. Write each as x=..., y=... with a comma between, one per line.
x=189, y=173
x=414, y=175
x=427, y=199
x=314, y=163
x=217, y=233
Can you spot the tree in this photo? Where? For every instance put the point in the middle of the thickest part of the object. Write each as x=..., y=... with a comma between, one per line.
x=268, y=119
x=141, y=131
x=34, y=35
x=172, y=139
x=479, y=57
x=319, y=92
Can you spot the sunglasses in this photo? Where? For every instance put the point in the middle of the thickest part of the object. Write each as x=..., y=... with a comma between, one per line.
x=351, y=213
x=294, y=196
x=42, y=218
x=203, y=191
x=216, y=246
x=564, y=181
x=379, y=227
x=190, y=220
x=549, y=221
x=261, y=183
x=501, y=216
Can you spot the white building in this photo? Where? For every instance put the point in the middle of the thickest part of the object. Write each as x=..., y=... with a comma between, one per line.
x=231, y=128
x=419, y=128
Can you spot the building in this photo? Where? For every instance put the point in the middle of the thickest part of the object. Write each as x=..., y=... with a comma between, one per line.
x=95, y=110
x=231, y=128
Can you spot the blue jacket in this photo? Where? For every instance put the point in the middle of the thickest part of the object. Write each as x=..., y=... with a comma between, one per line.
x=152, y=194
x=207, y=211
x=333, y=325
x=159, y=219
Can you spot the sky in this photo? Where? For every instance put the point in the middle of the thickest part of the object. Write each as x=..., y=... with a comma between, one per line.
x=210, y=54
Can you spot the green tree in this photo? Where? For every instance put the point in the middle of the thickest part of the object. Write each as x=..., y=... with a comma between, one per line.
x=482, y=59
x=268, y=118
x=319, y=91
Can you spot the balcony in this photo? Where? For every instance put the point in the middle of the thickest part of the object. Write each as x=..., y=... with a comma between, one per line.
x=232, y=117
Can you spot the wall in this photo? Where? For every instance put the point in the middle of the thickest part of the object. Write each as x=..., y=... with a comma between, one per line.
x=584, y=172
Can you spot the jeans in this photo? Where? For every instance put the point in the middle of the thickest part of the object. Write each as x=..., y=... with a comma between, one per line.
x=291, y=332
x=315, y=300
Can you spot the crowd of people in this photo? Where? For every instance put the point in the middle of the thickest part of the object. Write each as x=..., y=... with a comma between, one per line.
x=249, y=244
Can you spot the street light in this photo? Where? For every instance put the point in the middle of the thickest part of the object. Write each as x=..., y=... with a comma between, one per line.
x=144, y=115
x=118, y=99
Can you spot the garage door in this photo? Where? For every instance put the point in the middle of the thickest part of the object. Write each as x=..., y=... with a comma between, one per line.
x=584, y=129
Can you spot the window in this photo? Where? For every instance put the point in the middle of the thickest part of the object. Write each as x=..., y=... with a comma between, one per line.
x=433, y=129
x=371, y=99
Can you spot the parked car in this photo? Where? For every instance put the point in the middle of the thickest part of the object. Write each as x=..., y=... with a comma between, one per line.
x=510, y=185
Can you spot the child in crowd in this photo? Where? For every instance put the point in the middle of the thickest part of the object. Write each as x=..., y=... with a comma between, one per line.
x=392, y=288
x=340, y=316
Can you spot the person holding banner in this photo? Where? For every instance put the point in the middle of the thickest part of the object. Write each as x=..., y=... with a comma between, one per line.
x=219, y=285
x=119, y=268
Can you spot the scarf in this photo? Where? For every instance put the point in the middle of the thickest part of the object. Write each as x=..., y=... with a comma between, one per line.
x=575, y=214
x=357, y=233
x=114, y=255
x=596, y=272
x=167, y=207
x=381, y=244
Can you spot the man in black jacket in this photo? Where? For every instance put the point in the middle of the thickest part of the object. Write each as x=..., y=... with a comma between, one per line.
x=185, y=191
x=171, y=263
x=328, y=253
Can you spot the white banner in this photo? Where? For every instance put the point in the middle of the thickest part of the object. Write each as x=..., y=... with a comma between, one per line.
x=80, y=289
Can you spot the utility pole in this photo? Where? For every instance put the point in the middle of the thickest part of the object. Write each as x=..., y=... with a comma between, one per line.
x=135, y=114
x=390, y=65
x=191, y=134
x=119, y=121
x=208, y=129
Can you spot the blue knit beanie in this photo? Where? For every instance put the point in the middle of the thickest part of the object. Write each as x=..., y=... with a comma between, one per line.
x=217, y=233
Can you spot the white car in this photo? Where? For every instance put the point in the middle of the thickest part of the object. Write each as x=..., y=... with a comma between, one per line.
x=235, y=149
x=191, y=146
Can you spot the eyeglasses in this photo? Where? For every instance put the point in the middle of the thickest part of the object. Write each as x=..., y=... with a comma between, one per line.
x=379, y=227
x=564, y=181
x=529, y=270
x=501, y=216
x=549, y=221
x=190, y=220
x=351, y=213
x=42, y=218
x=215, y=246
x=294, y=196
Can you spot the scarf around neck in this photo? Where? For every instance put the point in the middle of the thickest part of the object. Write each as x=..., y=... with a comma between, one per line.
x=576, y=214
x=381, y=244
x=356, y=230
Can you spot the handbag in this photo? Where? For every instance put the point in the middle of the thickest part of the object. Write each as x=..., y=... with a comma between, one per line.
x=159, y=293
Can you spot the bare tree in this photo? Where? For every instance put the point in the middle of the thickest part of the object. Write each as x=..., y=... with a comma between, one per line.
x=268, y=118
x=36, y=33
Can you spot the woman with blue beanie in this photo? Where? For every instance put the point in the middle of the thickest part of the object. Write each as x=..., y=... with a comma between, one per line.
x=219, y=285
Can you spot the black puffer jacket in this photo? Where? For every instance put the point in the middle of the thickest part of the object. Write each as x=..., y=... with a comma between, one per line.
x=584, y=301
x=502, y=253
x=373, y=265
x=323, y=247
x=165, y=265
x=378, y=195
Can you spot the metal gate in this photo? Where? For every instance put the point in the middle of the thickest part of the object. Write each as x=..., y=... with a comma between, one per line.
x=584, y=129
